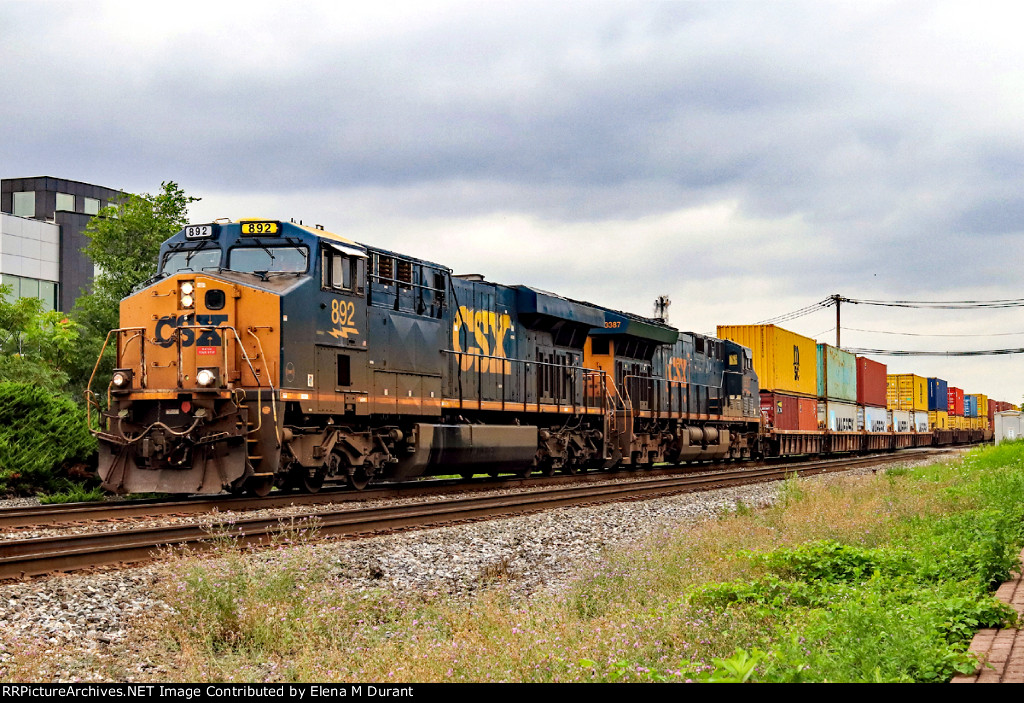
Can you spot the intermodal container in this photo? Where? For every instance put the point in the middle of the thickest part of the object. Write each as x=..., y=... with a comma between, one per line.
x=789, y=412
x=920, y=420
x=837, y=374
x=902, y=420
x=785, y=362
x=906, y=391
x=938, y=420
x=955, y=402
x=870, y=382
x=938, y=394
x=875, y=419
x=982, y=405
x=837, y=416
x=970, y=405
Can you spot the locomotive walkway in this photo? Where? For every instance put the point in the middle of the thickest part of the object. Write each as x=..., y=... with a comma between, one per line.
x=1002, y=649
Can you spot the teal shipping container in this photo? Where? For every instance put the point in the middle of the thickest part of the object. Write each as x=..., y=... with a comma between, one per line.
x=837, y=374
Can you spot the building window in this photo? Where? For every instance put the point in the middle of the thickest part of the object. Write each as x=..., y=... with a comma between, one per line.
x=25, y=204
x=92, y=206
x=66, y=202
x=19, y=287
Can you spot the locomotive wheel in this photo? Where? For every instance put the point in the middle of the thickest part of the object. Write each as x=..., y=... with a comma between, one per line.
x=310, y=480
x=359, y=479
x=573, y=466
x=259, y=486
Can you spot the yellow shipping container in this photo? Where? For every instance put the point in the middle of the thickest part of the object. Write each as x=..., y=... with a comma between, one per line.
x=785, y=362
x=938, y=420
x=983, y=406
x=906, y=391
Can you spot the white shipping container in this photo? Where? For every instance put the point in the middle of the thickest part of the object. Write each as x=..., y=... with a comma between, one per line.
x=837, y=416
x=902, y=420
x=921, y=420
x=875, y=419
x=1009, y=426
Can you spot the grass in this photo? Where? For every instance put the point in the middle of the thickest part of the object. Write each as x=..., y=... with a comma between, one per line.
x=74, y=492
x=866, y=578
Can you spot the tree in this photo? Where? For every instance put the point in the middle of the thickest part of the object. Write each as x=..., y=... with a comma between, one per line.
x=125, y=243
x=36, y=346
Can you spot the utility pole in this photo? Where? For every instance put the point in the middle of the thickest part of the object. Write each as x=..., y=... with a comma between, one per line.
x=837, y=299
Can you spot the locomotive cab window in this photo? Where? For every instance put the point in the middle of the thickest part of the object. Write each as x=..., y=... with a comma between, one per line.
x=195, y=259
x=290, y=259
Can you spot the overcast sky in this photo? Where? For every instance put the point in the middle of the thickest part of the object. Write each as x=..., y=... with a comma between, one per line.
x=745, y=158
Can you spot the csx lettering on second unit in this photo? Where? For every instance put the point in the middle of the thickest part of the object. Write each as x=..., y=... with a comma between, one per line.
x=485, y=334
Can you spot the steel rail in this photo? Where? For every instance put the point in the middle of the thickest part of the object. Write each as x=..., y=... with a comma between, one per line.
x=62, y=513
x=29, y=557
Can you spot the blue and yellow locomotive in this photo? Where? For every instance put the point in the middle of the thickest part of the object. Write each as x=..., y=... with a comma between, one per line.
x=270, y=353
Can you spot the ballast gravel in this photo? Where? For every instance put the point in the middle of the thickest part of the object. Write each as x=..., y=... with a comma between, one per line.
x=81, y=620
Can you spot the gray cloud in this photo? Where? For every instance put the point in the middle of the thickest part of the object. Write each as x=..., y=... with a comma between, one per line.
x=861, y=147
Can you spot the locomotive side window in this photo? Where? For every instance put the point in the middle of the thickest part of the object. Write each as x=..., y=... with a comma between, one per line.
x=338, y=270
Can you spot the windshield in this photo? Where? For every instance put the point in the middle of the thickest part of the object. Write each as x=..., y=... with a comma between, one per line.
x=287, y=259
x=191, y=260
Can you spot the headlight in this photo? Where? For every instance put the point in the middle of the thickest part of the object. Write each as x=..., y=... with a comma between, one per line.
x=206, y=377
x=187, y=301
x=121, y=379
x=187, y=288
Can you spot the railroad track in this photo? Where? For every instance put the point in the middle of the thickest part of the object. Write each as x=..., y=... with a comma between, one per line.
x=29, y=557
x=69, y=513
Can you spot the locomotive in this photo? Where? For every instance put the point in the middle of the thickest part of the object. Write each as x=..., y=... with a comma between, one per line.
x=269, y=353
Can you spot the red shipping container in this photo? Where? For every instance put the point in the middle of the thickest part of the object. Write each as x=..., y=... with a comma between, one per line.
x=871, y=382
x=789, y=412
x=956, y=401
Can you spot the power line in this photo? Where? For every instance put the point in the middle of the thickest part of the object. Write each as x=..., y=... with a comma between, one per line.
x=820, y=305
x=901, y=352
x=940, y=304
x=921, y=334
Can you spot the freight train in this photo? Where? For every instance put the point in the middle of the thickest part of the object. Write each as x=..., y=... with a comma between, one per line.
x=268, y=353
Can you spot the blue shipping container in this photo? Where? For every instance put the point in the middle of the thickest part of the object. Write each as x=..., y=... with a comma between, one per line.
x=938, y=394
x=970, y=406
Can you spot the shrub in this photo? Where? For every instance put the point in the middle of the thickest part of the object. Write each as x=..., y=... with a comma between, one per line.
x=43, y=439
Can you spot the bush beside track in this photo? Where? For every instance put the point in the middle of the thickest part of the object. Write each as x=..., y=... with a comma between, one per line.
x=44, y=440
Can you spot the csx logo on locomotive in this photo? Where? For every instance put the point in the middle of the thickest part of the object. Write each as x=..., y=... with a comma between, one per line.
x=489, y=330
x=189, y=325
x=676, y=370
